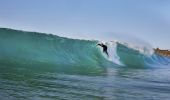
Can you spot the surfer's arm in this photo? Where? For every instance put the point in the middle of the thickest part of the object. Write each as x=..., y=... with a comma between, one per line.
x=99, y=45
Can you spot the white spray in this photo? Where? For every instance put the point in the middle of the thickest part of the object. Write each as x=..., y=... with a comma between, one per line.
x=112, y=47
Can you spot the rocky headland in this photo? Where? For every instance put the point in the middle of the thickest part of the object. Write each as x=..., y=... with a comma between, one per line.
x=162, y=52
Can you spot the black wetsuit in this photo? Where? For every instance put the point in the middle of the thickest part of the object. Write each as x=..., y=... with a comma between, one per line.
x=104, y=48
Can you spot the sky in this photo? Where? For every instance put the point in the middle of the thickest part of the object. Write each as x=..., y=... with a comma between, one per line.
x=148, y=20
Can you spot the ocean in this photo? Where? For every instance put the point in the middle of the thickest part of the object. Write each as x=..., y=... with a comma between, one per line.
x=39, y=66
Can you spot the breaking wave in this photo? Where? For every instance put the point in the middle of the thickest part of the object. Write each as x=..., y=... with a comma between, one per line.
x=39, y=51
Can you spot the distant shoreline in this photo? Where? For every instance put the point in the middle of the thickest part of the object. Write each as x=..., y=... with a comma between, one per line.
x=162, y=52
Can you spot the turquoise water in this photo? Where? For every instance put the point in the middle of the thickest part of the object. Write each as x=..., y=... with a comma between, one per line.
x=36, y=66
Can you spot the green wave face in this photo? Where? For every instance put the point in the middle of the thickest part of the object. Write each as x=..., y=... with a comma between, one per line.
x=42, y=52
x=131, y=58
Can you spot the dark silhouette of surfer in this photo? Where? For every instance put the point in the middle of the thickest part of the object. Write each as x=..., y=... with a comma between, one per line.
x=104, y=48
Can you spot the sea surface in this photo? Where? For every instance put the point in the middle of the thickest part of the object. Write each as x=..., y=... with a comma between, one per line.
x=39, y=66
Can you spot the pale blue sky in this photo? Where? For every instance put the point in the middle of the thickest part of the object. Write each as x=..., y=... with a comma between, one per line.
x=148, y=20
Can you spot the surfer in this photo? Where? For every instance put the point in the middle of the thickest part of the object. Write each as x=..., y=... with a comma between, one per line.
x=104, y=48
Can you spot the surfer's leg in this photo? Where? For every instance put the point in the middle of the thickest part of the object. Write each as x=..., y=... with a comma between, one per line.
x=107, y=53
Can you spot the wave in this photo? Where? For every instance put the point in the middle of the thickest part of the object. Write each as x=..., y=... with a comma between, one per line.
x=40, y=51
x=50, y=52
x=140, y=57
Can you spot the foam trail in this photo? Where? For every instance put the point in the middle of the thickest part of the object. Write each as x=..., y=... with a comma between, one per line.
x=112, y=49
